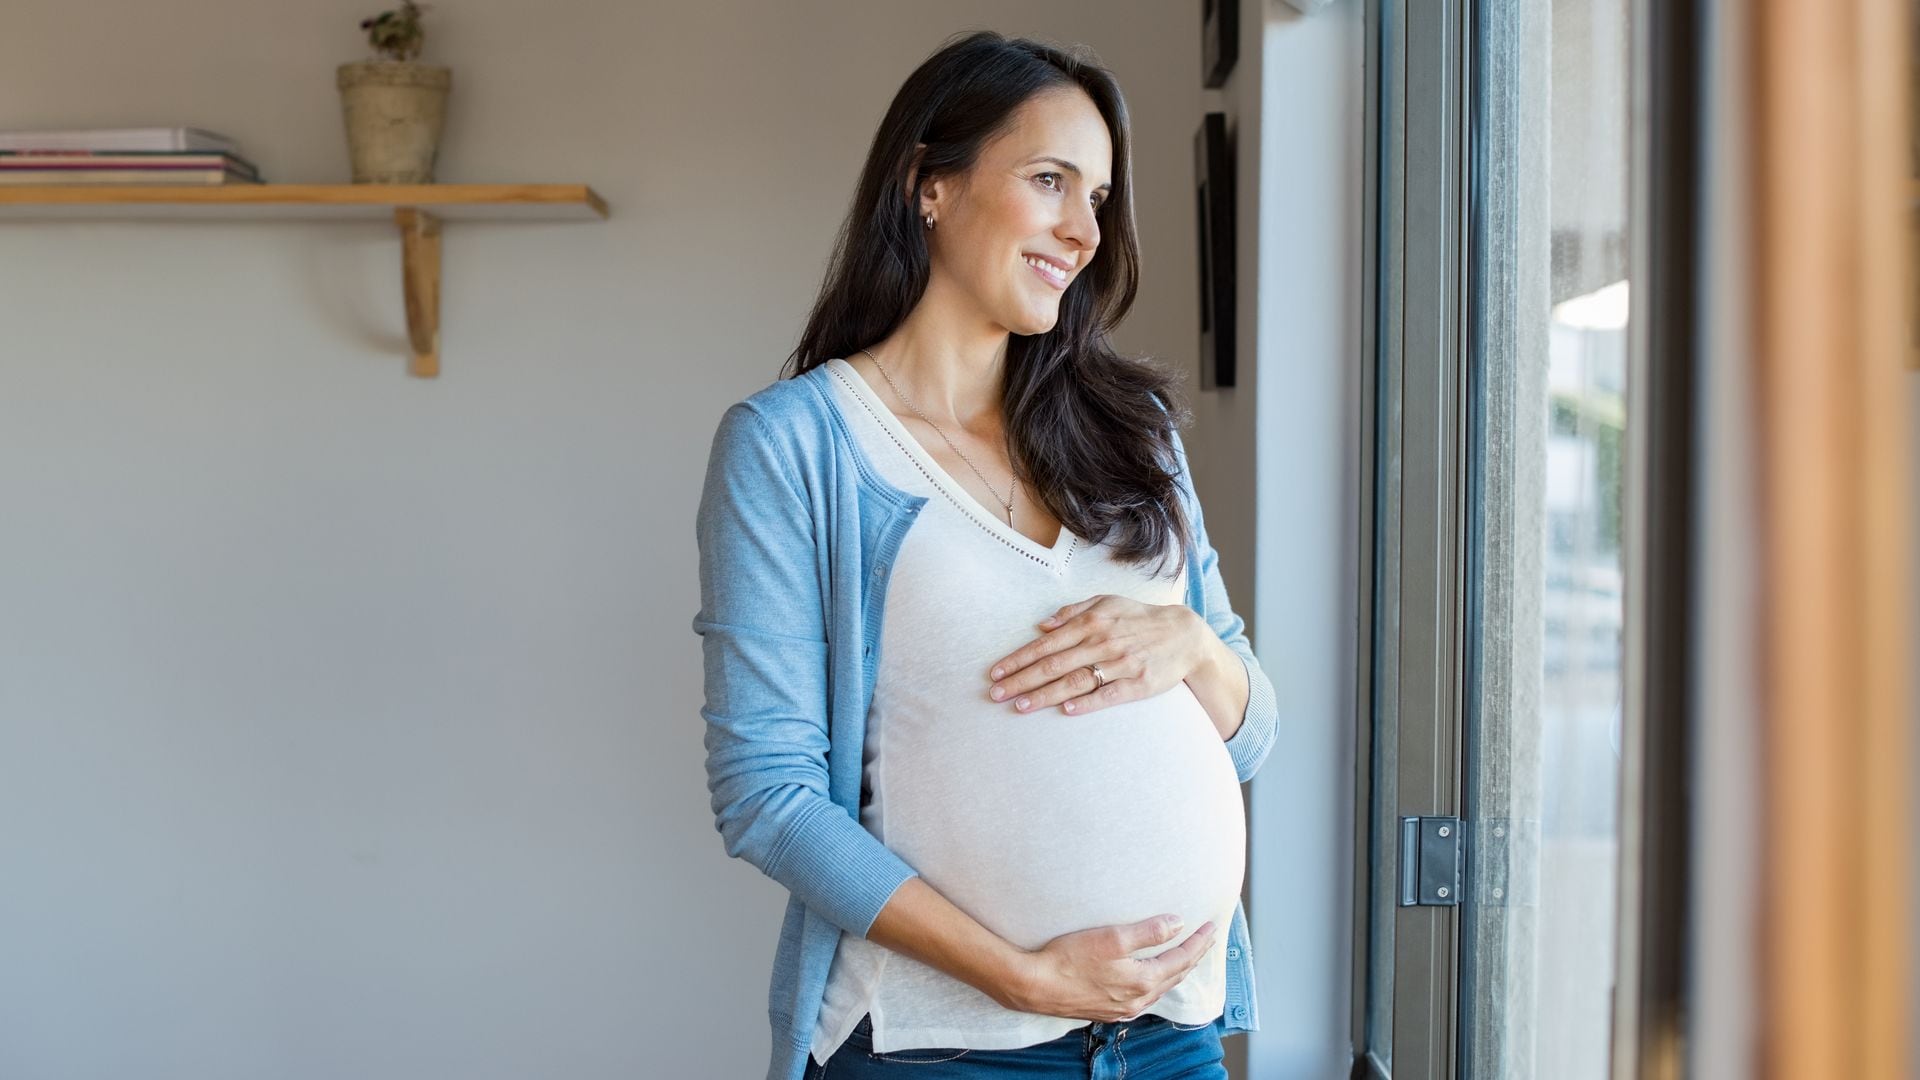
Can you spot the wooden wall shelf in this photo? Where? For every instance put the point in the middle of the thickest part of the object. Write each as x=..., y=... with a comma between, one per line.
x=417, y=209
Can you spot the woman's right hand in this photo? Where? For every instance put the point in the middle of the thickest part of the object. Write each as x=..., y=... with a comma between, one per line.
x=1092, y=974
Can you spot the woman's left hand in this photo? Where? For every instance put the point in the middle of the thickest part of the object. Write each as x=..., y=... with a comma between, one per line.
x=1142, y=649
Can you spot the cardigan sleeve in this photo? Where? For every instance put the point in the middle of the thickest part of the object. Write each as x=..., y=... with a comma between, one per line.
x=763, y=629
x=1253, y=740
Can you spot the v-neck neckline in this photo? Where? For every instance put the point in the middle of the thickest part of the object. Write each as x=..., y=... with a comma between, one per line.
x=1053, y=557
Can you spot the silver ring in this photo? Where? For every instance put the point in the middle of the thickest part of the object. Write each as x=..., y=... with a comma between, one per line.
x=1098, y=674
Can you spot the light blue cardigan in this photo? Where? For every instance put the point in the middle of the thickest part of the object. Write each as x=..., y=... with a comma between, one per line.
x=797, y=534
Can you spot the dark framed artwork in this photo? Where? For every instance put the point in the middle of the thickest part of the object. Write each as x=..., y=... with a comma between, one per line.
x=1219, y=40
x=1213, y=197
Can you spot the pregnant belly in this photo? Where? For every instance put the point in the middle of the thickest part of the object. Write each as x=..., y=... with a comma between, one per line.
x=1043, y=824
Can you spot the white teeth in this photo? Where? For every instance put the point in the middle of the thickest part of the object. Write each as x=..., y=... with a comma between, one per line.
x=1048, y=269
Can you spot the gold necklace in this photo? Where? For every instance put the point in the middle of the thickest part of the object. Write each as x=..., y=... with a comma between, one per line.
x=1006, y=502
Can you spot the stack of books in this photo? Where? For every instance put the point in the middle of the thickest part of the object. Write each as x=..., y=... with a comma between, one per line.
x=123, y=156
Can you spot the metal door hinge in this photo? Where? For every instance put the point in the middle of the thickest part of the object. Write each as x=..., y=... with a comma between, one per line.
x=1432, y=861
x=1506, y=854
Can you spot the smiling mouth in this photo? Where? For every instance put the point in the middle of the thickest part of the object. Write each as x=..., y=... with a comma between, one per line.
x=1047, y=272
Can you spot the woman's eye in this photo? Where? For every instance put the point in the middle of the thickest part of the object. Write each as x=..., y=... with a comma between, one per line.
x=1096, y=200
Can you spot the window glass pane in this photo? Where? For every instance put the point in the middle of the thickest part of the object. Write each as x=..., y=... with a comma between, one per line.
x=1543, y=750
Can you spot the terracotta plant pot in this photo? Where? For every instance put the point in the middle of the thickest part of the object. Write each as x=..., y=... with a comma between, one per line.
x=394, y=112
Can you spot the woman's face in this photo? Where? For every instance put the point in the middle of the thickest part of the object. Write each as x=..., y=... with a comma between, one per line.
x=1024, y=202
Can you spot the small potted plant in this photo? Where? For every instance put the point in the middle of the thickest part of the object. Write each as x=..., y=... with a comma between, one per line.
x=394, y=106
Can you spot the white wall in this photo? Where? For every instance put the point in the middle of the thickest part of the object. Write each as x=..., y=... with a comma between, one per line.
x=348, y=721
x=1308, y=558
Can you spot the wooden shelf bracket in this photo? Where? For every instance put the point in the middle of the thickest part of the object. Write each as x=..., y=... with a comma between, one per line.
x=420, y=275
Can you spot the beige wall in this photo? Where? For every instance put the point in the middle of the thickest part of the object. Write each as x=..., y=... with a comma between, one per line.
x=349, y=722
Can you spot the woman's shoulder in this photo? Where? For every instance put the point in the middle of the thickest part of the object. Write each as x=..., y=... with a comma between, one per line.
x=788, y=413
x=788, y=399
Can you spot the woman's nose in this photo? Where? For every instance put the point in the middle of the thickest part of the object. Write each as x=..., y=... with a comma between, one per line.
x=1081, y=230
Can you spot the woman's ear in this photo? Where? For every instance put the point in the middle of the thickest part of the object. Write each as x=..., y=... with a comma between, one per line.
x=936, y=194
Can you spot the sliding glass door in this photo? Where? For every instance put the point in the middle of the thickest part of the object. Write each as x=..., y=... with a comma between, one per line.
x=1495, y=692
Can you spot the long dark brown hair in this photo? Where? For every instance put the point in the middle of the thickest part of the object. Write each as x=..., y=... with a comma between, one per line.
x=1092, y=430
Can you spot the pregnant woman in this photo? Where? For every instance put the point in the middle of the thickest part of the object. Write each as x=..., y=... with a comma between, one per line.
x=974, y=691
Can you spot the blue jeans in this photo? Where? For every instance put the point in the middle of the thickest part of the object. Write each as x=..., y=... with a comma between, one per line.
x=1149, y=1047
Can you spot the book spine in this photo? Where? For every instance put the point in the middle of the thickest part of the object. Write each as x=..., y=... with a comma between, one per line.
x=116, y=161
x=120, y=139
x=135, y=158
x=124, y=176
x=36, y=159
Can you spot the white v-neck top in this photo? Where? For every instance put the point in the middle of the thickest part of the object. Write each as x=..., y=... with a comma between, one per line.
x=1035, y=824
